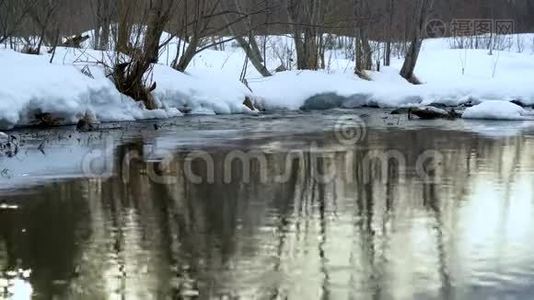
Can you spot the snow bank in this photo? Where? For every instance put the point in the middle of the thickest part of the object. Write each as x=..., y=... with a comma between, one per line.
x=450, y=76
x=33, y=85
x=496, y=110
x=200, y=92
x=292, y=89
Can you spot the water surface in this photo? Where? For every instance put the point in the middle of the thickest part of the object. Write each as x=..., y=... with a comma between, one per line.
x=456, y=224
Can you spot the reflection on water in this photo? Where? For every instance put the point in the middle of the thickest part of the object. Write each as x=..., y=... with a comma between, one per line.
x=463, y=233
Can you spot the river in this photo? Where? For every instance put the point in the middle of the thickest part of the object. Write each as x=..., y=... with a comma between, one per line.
x=325, y=205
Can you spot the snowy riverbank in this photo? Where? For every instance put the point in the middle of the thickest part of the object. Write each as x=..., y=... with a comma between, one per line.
x=75, y=84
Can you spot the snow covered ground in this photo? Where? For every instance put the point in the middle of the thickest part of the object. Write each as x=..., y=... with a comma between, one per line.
x=31, y=84
x=497, y=110
x=450, y=76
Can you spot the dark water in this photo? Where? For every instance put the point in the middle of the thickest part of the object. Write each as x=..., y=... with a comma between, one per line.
x=455, y=223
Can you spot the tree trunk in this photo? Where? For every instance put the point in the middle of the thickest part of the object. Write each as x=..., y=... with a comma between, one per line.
x=255, y=47
x=187, y=57
x=305, y=17
x=124, y=29
x=96, y=38
x=410, y=61
x=364, y=54
x=104, y=36
x=314, y=35
x=422, y=9
x=198, y=30
x=102, y=31
x=250, y=47
x=387, y=54
x=311, y=49
x=253, y=54
x=300, y=51
x=129, y=76
x=363, y=49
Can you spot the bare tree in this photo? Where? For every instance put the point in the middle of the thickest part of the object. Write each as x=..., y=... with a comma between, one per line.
x=44, y=18
x=248, y=41
x=195, y=29
x=390, y=11
x=363, y=48
x=305, y=20
x=103, y=14
x=125, y=15
x=12, y=15
x=422, y=10
x=129, y=76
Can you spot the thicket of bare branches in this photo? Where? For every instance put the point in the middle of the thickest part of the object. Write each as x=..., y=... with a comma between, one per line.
x=133, y=29
x=129, y=69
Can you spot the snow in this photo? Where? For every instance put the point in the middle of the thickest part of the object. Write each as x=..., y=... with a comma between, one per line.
x=33, y=85
x=496, y=110
x=450, y=76
x=202, y=92
x=211, y=84
x=291, y=89
x=455, y=74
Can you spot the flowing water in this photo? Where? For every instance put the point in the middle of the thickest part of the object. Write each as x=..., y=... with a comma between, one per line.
x=271, y=207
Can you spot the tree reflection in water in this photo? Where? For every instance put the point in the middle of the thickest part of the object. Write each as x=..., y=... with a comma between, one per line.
x=384, y=234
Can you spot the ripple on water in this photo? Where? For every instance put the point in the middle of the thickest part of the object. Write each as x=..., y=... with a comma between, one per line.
x=467, y=231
